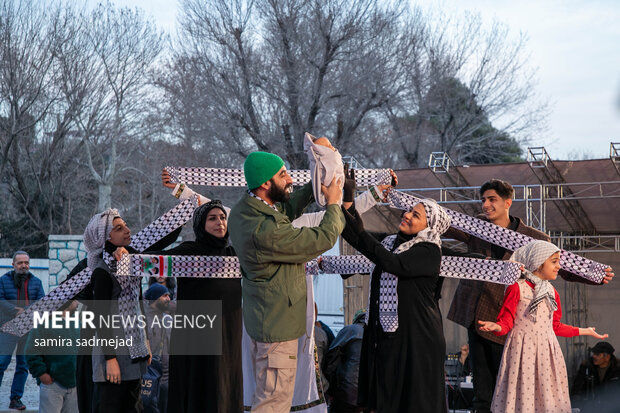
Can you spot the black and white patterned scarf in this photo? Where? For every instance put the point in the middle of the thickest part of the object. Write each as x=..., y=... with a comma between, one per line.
x=503, y=237
x=253, y=195
x=155, y=231
x=235, y=178
x=128, y=306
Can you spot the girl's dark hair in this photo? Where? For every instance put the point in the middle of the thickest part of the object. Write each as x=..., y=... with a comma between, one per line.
x=503, y=188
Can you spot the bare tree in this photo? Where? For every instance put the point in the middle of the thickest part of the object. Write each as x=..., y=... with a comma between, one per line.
x=27, y=37
x=42, y=176
x=271, y=70
x=124, y=46
x=477, y=94
x=73, y=119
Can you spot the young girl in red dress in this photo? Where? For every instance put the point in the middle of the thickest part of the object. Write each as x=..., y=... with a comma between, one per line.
x=532, y=375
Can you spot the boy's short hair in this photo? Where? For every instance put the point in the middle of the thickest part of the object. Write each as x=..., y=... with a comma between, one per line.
x=503, y=188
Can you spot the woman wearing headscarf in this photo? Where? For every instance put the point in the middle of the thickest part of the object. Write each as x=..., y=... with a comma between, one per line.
x=116, y=371
x=98, y=237
x=403, y=349
x=207, y=383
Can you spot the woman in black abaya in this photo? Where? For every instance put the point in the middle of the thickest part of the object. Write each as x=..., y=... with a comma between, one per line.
x=207, y=383
x=403, y=349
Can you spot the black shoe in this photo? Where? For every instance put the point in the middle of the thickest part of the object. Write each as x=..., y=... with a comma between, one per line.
x=17, y=404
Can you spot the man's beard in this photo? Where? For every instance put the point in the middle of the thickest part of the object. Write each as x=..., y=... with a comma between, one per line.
x=162, y=306
x=19, y=278
x=277, y=194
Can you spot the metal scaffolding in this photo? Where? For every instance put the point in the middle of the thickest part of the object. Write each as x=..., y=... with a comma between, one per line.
x=565, y=196
x=547, y=173
x=445, y=171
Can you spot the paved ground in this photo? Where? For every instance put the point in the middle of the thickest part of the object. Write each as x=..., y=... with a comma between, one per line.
x=31, y=392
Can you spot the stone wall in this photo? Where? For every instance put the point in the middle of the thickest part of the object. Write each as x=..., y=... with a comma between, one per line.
x=65, y=251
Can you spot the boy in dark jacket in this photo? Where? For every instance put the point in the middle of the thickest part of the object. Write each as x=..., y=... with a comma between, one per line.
x=52, y=359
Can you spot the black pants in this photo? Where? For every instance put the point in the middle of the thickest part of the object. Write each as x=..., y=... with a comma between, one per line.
x=119, y=398
x=486, y=357
x=84, y=376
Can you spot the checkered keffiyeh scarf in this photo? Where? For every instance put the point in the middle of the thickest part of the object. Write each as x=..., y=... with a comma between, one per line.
x=438, y=222
x=253, y=195
x=155, y=231
x=128, y=305
x=503, y=237
x=235, y=177
x=532, y=256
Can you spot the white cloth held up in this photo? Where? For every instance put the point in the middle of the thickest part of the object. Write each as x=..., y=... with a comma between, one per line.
x=325, y=165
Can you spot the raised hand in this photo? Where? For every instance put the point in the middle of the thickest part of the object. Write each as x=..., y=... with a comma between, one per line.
x=333, y=193
x=385, y=189
x=165, y=179
x=119, y=253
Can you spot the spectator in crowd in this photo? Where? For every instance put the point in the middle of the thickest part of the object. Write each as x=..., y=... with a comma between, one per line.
x=169, y=282
x=158, y=298
x=54, y=366
x=342, y=366
x=597, y=385
x=18, y=289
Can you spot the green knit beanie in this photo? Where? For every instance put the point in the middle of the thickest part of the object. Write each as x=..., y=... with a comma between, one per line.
x=259, y=167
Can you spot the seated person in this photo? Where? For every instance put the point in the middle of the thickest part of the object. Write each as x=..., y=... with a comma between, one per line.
x=597, y=385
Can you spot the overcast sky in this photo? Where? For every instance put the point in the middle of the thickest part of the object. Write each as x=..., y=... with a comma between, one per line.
x=574, y=44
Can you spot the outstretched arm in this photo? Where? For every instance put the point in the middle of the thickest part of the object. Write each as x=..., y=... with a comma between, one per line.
x=506, y=316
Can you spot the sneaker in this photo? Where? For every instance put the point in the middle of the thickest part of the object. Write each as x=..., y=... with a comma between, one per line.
x=17, y=404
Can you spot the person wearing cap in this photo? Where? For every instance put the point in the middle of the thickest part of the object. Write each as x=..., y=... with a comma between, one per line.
x=596, y=387
x=272, y=254
x=158, y=298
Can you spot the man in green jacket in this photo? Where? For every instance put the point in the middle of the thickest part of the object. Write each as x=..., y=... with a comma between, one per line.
x=272, y=254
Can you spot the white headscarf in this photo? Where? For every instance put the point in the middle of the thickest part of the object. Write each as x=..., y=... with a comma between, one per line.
x=532, y=256
x=438, y=222
x=97, y=232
